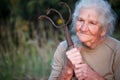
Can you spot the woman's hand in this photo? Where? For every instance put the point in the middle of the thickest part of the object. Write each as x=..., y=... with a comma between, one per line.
x=85, y=72
x=82, y=70
x=74, y=56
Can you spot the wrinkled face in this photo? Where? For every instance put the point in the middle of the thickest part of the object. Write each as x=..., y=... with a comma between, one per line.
x=88, y=28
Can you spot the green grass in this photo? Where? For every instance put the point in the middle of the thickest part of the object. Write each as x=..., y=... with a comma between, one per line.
x=25, y=58
x=32, y=63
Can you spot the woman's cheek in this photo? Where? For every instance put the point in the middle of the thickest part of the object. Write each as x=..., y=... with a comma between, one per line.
x=78, y=26
x=94, y=30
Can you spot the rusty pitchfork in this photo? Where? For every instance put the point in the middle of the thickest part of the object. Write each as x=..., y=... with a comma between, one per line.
x=63, y=25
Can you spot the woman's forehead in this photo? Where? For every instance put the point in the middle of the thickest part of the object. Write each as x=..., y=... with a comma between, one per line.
x=89, y=13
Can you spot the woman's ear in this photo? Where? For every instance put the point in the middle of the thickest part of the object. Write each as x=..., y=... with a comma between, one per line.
x=104, y=30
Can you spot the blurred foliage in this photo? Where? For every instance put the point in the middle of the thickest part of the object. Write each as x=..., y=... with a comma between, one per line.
x=27, y=44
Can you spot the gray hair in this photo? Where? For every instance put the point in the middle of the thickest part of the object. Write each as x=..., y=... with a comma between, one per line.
x=107, y=15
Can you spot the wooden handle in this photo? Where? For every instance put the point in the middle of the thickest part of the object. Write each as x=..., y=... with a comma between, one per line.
x=68, y=38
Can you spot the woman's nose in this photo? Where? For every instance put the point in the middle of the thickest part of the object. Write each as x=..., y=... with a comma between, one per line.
x=84, y=27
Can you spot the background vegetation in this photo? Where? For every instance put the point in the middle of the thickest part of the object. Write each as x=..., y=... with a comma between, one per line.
x=27, y=44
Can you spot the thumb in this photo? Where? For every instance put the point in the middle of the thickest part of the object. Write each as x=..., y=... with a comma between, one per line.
x=80, y=50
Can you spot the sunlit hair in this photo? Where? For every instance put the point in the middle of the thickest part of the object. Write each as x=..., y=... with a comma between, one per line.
x=107, y=16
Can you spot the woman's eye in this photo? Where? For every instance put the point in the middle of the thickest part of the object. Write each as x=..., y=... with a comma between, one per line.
x=80, y=20
x=93, y=23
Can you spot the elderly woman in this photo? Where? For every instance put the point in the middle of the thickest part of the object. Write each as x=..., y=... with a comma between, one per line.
x=96, y=55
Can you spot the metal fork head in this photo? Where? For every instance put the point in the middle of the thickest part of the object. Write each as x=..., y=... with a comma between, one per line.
x=63, y=25
x=60, y=15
